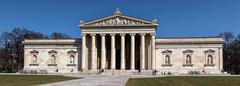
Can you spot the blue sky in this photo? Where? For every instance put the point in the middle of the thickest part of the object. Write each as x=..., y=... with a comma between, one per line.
x=177, y=18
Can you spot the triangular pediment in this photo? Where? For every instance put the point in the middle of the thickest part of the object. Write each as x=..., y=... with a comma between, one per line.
x=209, y=51
x=118, y=20
x=34, y=51
x=167, y=51
x=188, y=51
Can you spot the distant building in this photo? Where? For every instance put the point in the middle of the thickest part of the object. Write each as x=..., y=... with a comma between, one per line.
x=123, y=45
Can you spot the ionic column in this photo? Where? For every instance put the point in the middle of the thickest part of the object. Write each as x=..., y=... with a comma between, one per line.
x=103, y=51
x=113, y=51
x=94, y=53
x=83, y=51
x=153, y=51
x=132, y=51
x=122, y=51
x=142, y=61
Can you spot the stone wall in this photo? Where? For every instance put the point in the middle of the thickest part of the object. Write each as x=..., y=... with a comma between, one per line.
x=198, y=48
x=40, y=57
x=199, y=53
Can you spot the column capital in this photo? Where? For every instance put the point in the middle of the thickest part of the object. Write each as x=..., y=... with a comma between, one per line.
x=83, y=34
x=102, y=34
x=152, y=34
x=132, y=34
x=93, y=34
x=112, y=34
x=142, y=34
x=122, y=34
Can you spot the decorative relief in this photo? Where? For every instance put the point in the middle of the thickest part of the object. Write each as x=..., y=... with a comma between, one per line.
x=118, y=21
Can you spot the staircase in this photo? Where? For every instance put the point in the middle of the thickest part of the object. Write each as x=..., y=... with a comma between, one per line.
x=117, y=72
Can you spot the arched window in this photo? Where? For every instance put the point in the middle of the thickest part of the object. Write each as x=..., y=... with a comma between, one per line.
x=188, y=59
x=210, y=59
x=34, y=59
x=72, y=59
x=167, y=59
x=53, y=59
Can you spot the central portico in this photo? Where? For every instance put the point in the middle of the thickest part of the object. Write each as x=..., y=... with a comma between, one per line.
x=118, y=42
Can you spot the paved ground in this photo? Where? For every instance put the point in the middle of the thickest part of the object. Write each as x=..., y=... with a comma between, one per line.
x=108, y=80
x=97, y=80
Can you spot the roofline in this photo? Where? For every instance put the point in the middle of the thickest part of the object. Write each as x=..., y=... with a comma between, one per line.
x=190, y=40
x=146, y=25
x=105, y=17
x=56, y=39
x=51, y=41
x=184, y=37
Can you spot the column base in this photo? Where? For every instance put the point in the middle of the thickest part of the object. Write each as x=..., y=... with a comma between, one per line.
x=122, y=69
x=83, y=69
x=89, y=72
x=146, y=72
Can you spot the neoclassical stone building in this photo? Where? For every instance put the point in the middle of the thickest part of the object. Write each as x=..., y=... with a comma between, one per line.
x=121, y=44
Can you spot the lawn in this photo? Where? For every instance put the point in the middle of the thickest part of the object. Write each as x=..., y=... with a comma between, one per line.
x=30, y=80
x=186, y=81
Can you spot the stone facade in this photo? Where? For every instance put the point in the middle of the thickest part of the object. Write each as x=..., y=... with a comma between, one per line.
x=52, y=56
x=123, y=44
x=205, y=55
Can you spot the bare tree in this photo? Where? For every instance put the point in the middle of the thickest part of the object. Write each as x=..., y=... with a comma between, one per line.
x=12, y=48
x=57, y=35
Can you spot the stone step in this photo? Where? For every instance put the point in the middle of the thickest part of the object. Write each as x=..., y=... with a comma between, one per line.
x=117, y=72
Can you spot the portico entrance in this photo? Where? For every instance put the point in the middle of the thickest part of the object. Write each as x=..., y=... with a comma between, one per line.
x=118, y=43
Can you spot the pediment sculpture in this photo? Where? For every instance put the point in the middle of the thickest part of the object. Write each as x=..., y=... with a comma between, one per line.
x=118, y=21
